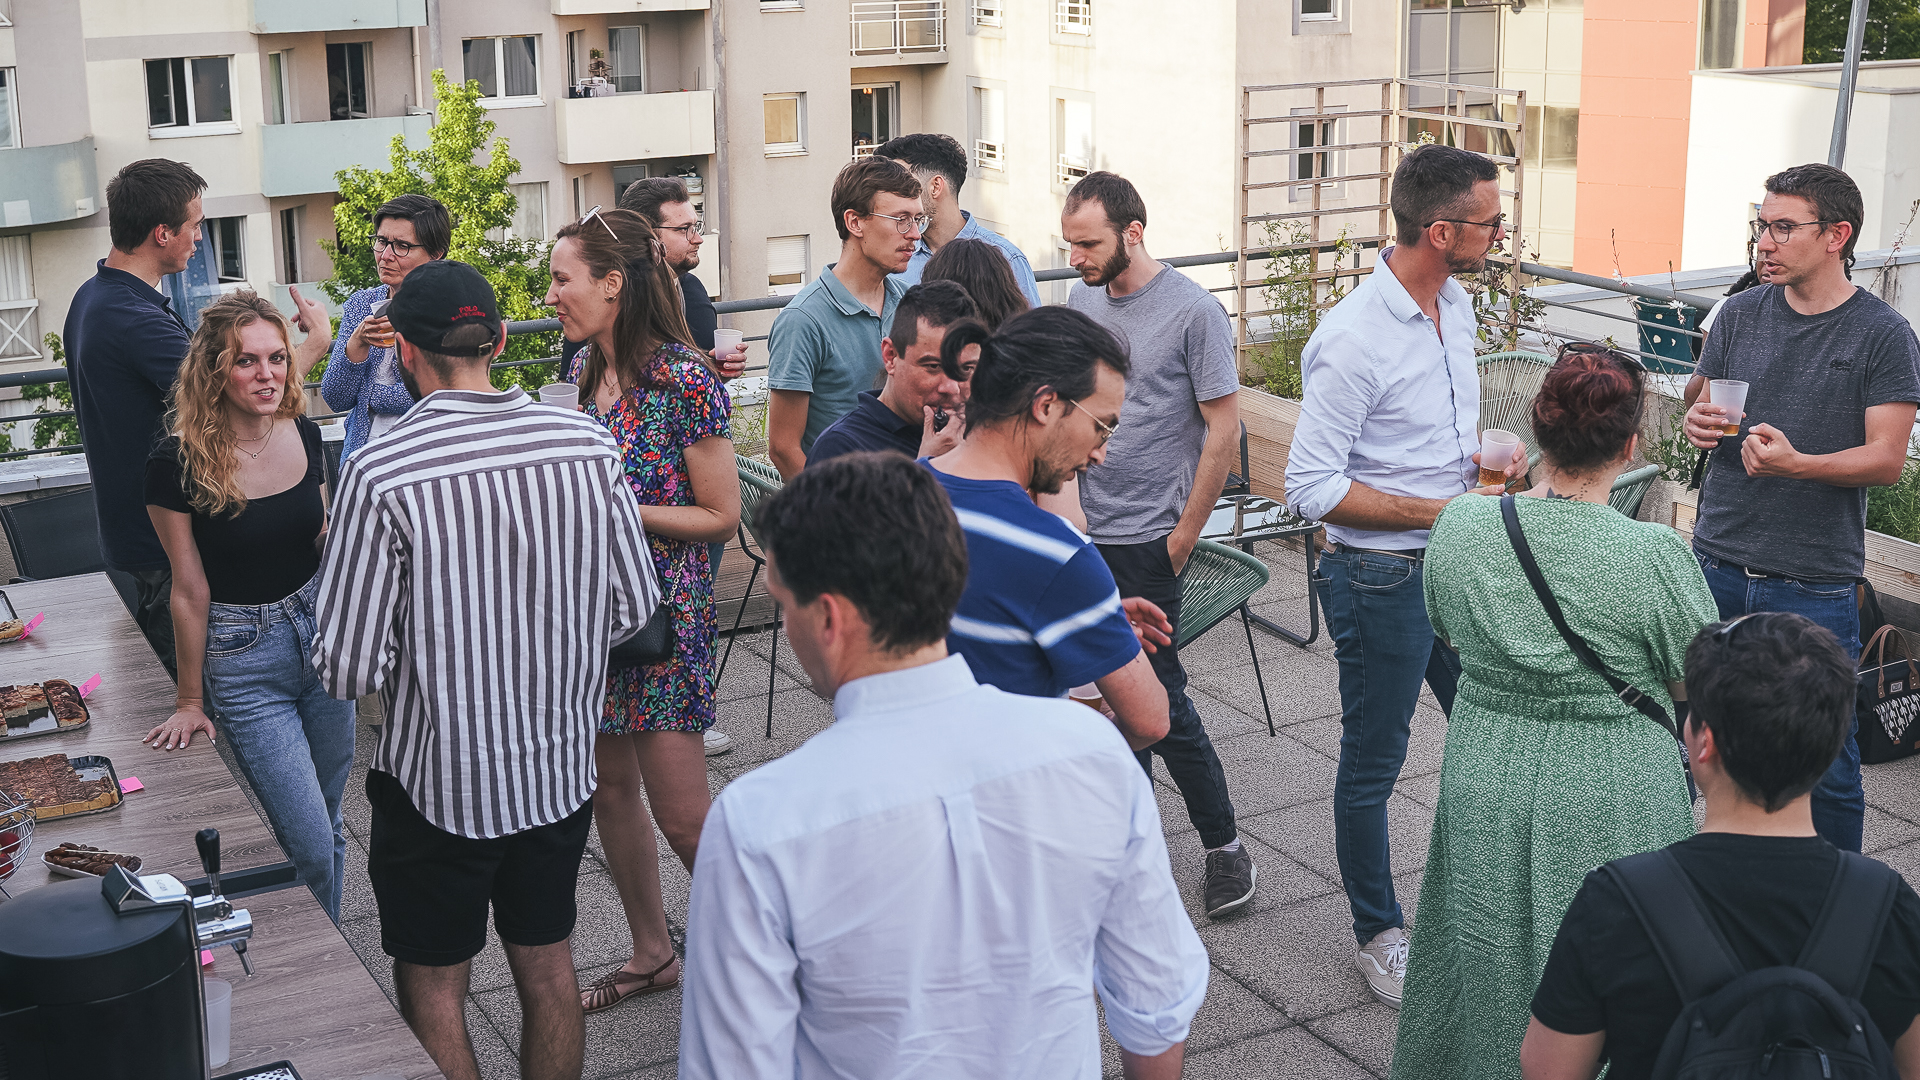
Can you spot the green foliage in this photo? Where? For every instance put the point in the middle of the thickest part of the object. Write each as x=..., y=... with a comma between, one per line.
x=1669, y=448
x=1293, y=299
x=1895, y=510
x=60, y=430
x=1501, y=304
x=1893, y=31
x=479, y=199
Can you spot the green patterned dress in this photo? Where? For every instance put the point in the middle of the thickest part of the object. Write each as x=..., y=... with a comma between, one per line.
x=1547, y=775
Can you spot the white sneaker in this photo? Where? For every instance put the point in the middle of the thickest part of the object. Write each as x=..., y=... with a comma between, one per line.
x=716, y=741
x=1384, y=962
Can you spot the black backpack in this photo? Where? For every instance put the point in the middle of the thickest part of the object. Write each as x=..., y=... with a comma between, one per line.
x=1781, y=1023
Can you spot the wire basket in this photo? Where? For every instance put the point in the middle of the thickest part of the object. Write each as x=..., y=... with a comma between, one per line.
x=16, y=835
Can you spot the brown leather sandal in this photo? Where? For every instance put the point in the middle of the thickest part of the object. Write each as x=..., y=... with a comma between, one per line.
x=620, y=984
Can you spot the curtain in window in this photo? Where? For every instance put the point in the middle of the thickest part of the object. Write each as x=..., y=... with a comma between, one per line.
x=786, y=264
x=8, y=137
x=518, y=62
x=625, y=46
x=478, y=57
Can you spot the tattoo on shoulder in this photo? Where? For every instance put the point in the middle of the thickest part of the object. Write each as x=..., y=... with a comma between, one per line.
x=1552, y=494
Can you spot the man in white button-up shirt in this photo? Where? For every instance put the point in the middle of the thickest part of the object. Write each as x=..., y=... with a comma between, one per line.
x=1387, y=434
x=937, y=885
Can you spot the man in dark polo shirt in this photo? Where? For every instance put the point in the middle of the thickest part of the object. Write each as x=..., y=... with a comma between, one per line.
x=905, y=413
x=124, y=345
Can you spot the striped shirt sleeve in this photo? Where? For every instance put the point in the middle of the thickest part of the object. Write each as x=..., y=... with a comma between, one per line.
x=1079, y=623
x=636, y=589
x=361, y=580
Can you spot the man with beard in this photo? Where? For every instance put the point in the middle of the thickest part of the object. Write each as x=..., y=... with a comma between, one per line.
x=1145, y=505
x=1041, y=613
x=1388, y=433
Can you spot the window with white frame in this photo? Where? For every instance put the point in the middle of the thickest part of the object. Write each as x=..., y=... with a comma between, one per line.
x=505, y=68
x=786, y=123
x=190, y=95
x=348, y=81
x=576, y=47
x=1073, y=17
x=9, y=111
x=786, y=265
x=290, y=221
x=19, y=318
x=989, y=13
x=1318, y=165
x=279, y=88
x=626, y=56
x=1072, y=136
x=579, y=197
x=625, y=176
x=1317, y=10
x=530, y=212
x=876, y=108
x=989, y=116
x=227, y=238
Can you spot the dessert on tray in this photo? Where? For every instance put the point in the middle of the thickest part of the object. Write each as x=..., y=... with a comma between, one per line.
x=56, y=787
x=41, y=708
x=82, y=859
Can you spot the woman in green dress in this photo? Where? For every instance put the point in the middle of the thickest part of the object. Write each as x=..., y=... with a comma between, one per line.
x=1547, y=774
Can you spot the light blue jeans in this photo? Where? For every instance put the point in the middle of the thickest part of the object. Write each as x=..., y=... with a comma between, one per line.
x=294, y=743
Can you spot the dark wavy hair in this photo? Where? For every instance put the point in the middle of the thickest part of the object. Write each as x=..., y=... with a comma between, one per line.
x=982, y=270
x=1777, y=692
x=1047, y=348
x=650, y=315
x=1589, y=405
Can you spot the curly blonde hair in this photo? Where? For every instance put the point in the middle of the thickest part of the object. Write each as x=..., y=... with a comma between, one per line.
x=196, y=406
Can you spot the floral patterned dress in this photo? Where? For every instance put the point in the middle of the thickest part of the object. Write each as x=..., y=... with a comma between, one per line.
x=654, y=429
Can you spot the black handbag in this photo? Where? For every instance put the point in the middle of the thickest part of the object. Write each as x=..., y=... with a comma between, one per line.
x=1887, y=700
x=655, y=641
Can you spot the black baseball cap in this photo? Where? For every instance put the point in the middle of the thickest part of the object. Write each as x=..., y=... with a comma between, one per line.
x=439, y=296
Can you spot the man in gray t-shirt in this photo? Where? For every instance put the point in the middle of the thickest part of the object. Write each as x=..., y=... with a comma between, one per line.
x=1165, y=465
x=1833, y=376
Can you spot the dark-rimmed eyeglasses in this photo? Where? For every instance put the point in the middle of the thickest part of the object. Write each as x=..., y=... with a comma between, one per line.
x=1782, y=230
x=1496, y=224
x=1101, y=428
x=908, y=224
x=594, y=214
x=688, y=231
x=399, y=247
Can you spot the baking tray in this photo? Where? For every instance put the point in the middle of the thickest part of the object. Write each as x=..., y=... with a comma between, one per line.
x=68, y=871
x=8, y=733
x=7, y=614
x=90, y=767
x=279, y=1070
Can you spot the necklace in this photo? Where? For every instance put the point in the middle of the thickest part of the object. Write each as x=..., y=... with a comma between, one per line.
x=264, y=441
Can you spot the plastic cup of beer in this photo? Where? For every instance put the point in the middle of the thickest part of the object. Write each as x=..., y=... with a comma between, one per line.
x=1088, y=695
x=1731, y=395
x=1496, y=453
x=565, y=395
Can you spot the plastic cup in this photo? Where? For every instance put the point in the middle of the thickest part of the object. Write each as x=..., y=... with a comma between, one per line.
x=1496, y=453
x=1088, y=695
x=565, y=395
x=726, y=341
x=219, y=994
x=1731, y=395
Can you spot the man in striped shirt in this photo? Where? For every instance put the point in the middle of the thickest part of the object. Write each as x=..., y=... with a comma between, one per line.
x=485, y=554
x=1040, y=613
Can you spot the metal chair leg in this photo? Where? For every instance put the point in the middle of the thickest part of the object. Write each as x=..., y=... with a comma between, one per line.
x=1313, y=608
x=742, y=613
x=1259, y=681
x=773, y=667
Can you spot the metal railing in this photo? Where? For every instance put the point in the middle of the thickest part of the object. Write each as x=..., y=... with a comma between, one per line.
x=897, y=26
x=1073, y=17
x=988, y=13
x=862, y=151
x=1067, y=170
x=988, y=155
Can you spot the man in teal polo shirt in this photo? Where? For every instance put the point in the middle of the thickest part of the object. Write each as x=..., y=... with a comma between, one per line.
x=825, y=346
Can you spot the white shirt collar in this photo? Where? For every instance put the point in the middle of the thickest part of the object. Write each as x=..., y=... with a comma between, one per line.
x=907, y=688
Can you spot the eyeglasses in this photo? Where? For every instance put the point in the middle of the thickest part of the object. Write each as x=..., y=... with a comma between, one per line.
x=1105, y=431
x=595, y=213
x=1496, y=224
x=1725, y=629
x=907, y=225
x=1782, y=230
x=688, y=231
x=398, y=247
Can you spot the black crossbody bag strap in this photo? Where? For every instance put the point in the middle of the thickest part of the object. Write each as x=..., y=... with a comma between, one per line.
x=1626, y=691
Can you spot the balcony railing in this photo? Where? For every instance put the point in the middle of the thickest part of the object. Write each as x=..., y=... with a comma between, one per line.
x=1068, y=170
x=1073, y=17
x=19, y=330
x=901, y=27
x=862, y=151
x=988, y=14
x=987, y=155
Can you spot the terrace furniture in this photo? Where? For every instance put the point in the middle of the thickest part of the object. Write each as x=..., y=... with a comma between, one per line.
x=59, y=536
x=1244, y=520
x=758, y=481
x=1217, y=581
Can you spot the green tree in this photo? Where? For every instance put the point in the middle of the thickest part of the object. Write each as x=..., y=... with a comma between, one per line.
x=1893, y=31
x=59, y=430
x=473, y=185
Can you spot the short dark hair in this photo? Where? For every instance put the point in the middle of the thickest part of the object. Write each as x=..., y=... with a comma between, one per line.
x=926, y=151
x=983, y=270
x=1431, y=183
x=1776, y=690
x=146, y=194
x=1050, y=346
x=877, y=529
x=1115, y=193
x=941, y=303
x=445, y=365
x=861, y=180
x=432, y=225
x=1834, y=195
x=1588, y=406
x=646, y=197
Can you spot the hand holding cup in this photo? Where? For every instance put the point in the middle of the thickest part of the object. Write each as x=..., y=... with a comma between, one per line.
x=730, y=353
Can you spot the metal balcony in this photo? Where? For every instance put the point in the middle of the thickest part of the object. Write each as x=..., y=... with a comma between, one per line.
x=905, y=28
x=40, y=185
x=989, y=13
x=1068, y=170
x=305, y=16
x=987, y=155
x=301, y=159
x=1073, y=17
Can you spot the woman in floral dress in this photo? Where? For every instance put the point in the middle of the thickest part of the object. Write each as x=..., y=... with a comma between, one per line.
x=665, y=407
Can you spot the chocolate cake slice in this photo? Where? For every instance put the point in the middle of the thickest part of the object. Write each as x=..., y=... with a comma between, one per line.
x=63, y=699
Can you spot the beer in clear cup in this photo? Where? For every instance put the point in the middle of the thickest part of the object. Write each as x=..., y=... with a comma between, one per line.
x=1496, y=453
x=1731, y=395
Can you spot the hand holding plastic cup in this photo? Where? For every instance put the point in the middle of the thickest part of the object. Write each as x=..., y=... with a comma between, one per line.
x=565, y=395
x=1496, y=453
x=1731, y=395
x=726, y=344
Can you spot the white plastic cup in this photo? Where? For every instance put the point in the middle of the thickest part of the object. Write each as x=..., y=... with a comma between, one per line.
x=565, y=395
x=1731, y=395
x=726, y=341
x=219, y=1021
x=1088, y=695
x=1496, y=453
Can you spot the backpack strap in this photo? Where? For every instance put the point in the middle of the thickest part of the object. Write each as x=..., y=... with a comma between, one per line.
x=1669, y=908
x=1840, y=948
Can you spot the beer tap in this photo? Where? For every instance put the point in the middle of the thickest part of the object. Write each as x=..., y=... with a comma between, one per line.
x=215, y=920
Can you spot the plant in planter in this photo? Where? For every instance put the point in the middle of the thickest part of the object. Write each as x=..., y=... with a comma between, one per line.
x=1895, y=509
x=597, y=66
x=1294, y=299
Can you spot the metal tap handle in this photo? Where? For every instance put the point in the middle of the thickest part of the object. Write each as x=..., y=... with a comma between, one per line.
x=208, y=841
x=246, y=962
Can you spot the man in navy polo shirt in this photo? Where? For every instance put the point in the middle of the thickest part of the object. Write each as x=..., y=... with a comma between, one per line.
x=919, y=410
x=124, y=345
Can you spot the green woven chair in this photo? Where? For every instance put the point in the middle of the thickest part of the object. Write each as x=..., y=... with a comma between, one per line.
x=1630, y=488
x=758, y=480
x=1217, y=581
x=1508, y=383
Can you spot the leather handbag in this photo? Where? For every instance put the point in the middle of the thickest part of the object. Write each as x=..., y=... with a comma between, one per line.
x=1887, y=700
x=654, y=643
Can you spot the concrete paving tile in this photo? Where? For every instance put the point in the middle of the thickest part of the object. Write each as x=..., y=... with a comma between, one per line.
x=1222, y=720
x=746, y=673
x=666, y=1070
x=1424, y=790
x=636, y=1033
x=1894, y=787
x=1905, y=858
x=356, y=891
x=1298, y=957
x=1300, y=686
x=1882, y=830
x=1426, y=739
x=1364, y=1034
x=1280, y=882
x=1230, y=1014
x=1294, y=1053
x=1305, y=834
x=798, y=715
x=496, y=1054
x=1226, y=644
x=1265, y=772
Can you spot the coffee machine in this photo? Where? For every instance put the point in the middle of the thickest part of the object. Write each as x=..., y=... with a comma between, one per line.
x=102, y=979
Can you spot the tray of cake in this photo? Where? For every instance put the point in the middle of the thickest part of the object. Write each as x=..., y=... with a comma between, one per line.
x=82, y=860
x=58, y=786
x=42, y=709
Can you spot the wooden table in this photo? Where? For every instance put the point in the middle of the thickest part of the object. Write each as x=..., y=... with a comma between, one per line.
x=311, y=1001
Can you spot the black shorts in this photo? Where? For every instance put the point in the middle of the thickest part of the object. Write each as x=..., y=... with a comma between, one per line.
x=433, y=887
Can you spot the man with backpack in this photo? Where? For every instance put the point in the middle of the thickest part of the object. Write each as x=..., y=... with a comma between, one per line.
x=1802, y=960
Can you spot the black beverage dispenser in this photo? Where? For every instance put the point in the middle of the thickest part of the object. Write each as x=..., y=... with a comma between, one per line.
x=102, y=978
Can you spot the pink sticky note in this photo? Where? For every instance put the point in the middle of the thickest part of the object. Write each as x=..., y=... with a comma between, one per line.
x=131, y=784
x=90, y=686
x=34, y=622
x=206, y=957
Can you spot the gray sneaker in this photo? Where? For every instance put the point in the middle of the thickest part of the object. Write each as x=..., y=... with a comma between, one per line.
x=1230, y=880
x=716, y=741
x=1384, y=962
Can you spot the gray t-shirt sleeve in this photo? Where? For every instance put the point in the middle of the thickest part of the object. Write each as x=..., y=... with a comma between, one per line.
x=1893, y=366
x=1210, y=353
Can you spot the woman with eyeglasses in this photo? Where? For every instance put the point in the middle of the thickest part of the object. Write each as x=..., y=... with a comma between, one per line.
x=1547, y=773
x=363, y=374
x=641, y=376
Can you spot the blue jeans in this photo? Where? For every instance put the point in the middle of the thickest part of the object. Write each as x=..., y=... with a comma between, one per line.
x=1839, y=802
x=293, y=742
x=1377, y=615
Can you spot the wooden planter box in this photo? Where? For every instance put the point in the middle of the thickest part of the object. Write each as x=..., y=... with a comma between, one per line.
x=1270, y=422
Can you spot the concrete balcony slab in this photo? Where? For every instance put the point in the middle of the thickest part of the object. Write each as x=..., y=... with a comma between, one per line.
x=630, y=127
x=304, y=16
x=40, y=185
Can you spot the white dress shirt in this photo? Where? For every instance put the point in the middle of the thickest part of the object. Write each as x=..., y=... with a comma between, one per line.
x=1391, y=402
x=935, y=886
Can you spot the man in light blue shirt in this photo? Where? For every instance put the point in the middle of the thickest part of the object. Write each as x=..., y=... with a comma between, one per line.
x=939, y=884
x=1388, y=433
x=939, y=162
